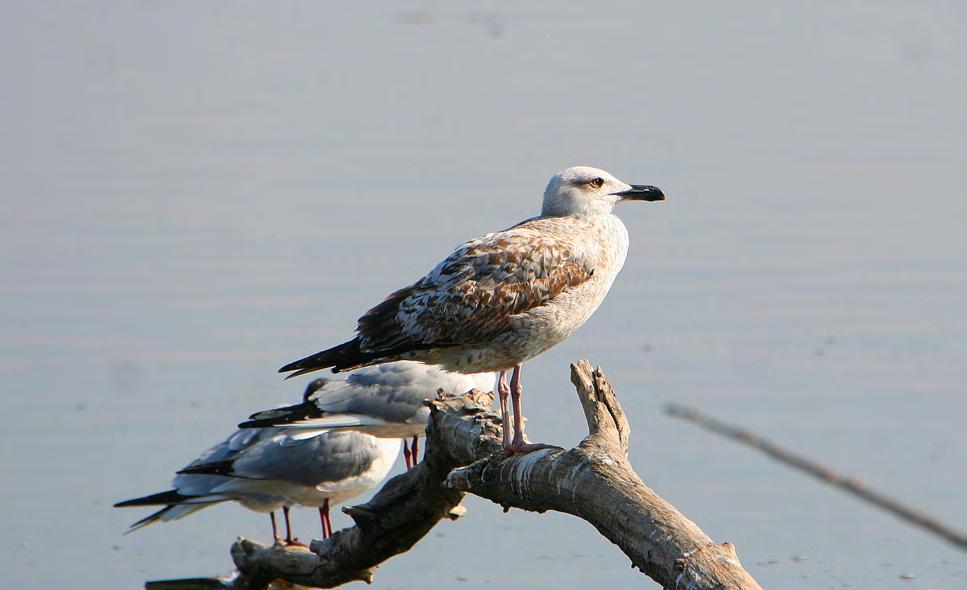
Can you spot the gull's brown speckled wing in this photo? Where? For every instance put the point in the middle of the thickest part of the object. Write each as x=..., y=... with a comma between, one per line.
x=476, y=292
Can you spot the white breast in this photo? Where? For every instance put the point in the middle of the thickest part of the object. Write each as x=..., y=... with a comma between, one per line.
x=606, y=242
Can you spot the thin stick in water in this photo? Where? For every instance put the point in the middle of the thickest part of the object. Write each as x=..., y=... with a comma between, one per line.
x=820, y=472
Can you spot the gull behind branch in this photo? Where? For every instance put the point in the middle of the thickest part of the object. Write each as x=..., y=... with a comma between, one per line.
x=384, y=400
x=265, y=469
x=504, y=298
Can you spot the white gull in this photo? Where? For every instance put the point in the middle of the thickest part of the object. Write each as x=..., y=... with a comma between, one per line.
x=504, y=298
x=384, y=400
x=265, y=469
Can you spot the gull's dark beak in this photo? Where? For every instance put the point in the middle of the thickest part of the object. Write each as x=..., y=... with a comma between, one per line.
x=641, y=192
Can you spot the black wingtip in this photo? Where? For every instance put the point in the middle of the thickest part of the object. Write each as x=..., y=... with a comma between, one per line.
x=266, y=421
x=149, y=519
x=284, y=415
x=214, y=468
x=290, y=367
x=301, y=372
x=159, y=499
x=339, y=358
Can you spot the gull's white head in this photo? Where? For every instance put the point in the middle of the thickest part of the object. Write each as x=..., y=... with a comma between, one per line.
x=583, y=190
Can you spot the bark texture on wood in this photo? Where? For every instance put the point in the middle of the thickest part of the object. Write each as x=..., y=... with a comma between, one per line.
x=593, y=481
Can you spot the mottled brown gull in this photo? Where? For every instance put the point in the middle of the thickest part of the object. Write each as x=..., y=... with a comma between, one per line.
x=504, y=298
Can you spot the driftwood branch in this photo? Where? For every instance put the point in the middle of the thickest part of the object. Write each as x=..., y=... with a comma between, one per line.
x=822, y=473
x=593, y=481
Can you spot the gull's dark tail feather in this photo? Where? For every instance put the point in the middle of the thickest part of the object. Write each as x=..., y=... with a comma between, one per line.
x=288, y=414
x=344, y=357
x=214, y=468
x=159, y=499
x=175, y=505
x=151, y=519
x=285, y=415
x=169, y=500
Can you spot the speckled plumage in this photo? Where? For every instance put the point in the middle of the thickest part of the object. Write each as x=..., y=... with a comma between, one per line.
x=502, y=299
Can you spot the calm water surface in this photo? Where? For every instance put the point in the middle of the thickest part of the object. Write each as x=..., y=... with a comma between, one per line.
x=192, y=195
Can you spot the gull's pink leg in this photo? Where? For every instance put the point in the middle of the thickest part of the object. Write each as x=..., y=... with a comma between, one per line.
x=416, y=450
x=324, y=519
x=289, y=539
x=326, y=523
x=504, y=392
x=275, y=528
x=518, y=446
x=406, y=455
x=288, y=526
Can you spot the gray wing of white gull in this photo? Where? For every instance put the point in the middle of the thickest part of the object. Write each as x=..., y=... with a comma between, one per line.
x=385, y=400
x=264, y=469
x=192, y=492
x=333, y=466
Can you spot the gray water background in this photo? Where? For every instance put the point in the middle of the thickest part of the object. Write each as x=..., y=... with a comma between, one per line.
x=192, y=194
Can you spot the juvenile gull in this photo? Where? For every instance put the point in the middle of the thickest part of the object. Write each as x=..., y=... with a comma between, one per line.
x=384, y=401
x=504, y=298
x=265, y=469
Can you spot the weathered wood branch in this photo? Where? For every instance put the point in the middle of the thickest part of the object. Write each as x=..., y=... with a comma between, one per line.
x=402, y=513
x=593, y=481
x=822, y=473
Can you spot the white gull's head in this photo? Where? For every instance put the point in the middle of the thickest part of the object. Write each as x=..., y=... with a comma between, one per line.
x=583, y=190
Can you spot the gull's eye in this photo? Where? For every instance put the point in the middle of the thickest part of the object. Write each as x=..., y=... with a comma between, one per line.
x=597, y=182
